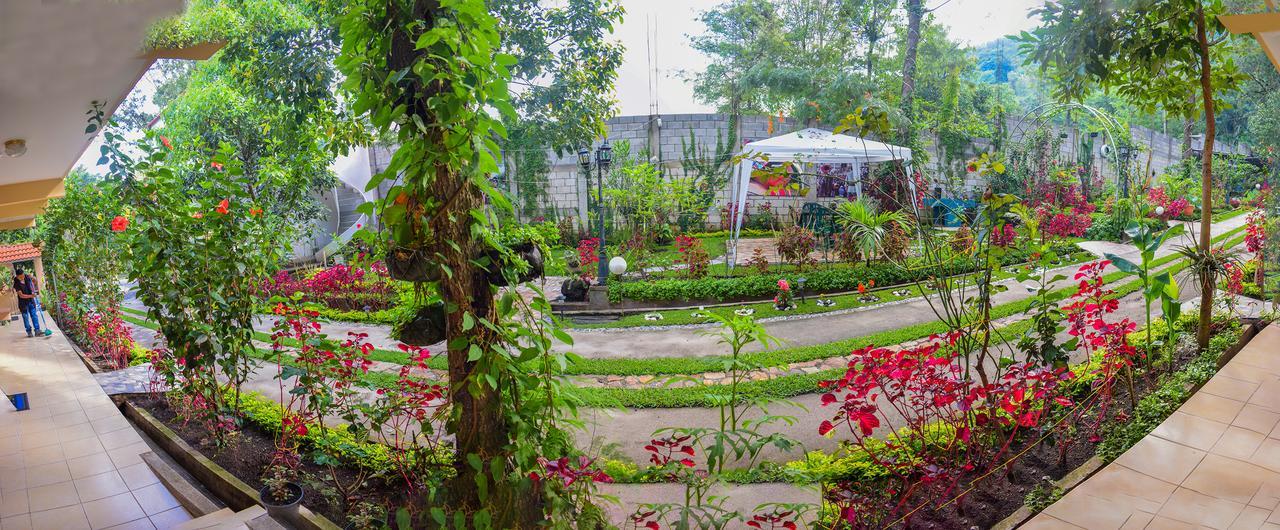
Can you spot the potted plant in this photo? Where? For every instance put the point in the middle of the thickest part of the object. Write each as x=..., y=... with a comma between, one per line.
x=280, y=494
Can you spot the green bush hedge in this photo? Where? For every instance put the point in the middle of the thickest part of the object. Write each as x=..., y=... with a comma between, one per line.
x=845, y=277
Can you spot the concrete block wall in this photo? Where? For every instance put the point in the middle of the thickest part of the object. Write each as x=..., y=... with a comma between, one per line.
x=663, y=136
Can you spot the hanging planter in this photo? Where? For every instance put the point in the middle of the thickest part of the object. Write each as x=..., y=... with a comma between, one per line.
x=530, y=252
x=411, y=265
x=425, y=328
x=574, y=289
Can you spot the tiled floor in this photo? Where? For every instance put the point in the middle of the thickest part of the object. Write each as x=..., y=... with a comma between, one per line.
x=1215, y=463
x=72, y=460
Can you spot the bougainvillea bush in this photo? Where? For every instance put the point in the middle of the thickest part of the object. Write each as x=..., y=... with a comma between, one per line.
x=1173, y=207
x=342, y=287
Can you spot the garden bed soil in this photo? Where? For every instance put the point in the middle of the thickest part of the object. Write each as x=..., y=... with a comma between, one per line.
x=1004, y=491
x=248, y=455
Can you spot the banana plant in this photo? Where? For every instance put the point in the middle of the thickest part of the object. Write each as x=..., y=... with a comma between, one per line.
x=1154, y=286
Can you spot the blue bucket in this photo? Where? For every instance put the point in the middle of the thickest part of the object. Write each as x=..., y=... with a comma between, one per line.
x=20, y=401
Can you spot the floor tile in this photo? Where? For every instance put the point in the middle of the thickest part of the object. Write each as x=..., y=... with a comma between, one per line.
x=1229, y=479
x=155, y=499
x=1191, y=431
x=14, y=503
x=1209, y=406
x=138, y=476
x=100, y=486
x=1161, y=459
x=87, y=466
x=17, y=522
x=171, y=518
x=1198, y=509
x=112, y=511
x=1238, y=443
x=66, y=518
x=46, y=474
x=53, y=496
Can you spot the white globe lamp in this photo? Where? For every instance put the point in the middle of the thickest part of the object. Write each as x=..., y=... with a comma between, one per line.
x=1159, y=210
x=617, y=265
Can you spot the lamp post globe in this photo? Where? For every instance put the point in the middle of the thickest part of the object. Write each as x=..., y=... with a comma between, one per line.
x=1159, y=210
x=617, y=265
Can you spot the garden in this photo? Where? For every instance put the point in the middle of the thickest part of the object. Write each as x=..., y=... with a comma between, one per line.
x=915, y=354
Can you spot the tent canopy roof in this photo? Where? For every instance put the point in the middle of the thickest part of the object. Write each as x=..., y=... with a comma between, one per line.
x=817, y=145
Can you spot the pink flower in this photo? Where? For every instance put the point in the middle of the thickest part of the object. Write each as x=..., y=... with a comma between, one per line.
x=782, y=284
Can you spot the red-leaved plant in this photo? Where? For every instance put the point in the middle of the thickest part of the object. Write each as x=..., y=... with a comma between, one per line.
x=923, y=425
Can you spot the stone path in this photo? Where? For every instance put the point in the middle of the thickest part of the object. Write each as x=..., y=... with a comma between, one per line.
x=1215, y=463
x=823, y=328
x=72, y=461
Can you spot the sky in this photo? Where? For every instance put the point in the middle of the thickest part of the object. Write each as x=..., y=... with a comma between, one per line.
x=667, y=24
x=671, y=22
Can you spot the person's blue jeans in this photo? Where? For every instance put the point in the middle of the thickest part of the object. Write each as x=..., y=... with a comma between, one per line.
x=30, y=318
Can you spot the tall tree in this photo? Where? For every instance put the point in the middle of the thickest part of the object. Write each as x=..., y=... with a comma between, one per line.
x=915, y=12
x=1148, y=51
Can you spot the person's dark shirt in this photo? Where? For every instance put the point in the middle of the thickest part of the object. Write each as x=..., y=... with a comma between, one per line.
x=27, y=285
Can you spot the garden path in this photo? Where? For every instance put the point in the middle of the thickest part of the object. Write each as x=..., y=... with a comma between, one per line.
x=631, y=430
x=792, y=331
x=823, y=328
x=1215, y=463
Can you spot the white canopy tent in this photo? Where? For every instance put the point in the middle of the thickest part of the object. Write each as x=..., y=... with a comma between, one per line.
x=807, y=146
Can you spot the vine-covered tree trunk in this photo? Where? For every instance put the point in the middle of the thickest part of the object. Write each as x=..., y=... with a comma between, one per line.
x=1207, y=286
x=915, y=11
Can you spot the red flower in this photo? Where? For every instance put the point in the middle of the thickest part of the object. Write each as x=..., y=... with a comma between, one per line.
x=255, y=211
x=198, y=215
x=215, y=165
x=862, y=288
x=222, y=207
x=119, y=223
x=166, y=143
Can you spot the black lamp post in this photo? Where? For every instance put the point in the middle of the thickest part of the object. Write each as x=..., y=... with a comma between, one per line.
x=1125, y=153
x=604, y=157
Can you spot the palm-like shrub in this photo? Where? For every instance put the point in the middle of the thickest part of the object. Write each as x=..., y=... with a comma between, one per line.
x=868, y=226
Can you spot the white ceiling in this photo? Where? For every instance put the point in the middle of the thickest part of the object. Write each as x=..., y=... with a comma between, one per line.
x=56, y=57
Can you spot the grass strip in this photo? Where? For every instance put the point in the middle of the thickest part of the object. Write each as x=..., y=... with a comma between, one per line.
x=685, y=316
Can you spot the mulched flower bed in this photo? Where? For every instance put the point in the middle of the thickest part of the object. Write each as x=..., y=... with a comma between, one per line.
x=248, y=455
x=1005, y=490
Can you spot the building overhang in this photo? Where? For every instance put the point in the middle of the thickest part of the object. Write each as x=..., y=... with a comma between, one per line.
x=1265, y=27
x=60, y=57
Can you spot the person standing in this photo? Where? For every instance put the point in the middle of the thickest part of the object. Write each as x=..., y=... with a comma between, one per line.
x=27, y=290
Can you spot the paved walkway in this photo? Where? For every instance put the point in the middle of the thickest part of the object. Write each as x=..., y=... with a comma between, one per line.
x=72, y=460
x=1215, y=463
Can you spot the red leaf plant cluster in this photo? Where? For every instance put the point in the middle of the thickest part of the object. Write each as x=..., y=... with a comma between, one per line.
x=1173, y=207
x=1003, y=236
x=323, y=382
x=923, y=424
x=568, y=472
x=408, y=414
x=1106, y=343
x=692, y=255
x=779, y=519
x=1255, y=241
x=106, y=338
x=341, y=287
x=1063, y=211
x=110, y=341
x=589, y=256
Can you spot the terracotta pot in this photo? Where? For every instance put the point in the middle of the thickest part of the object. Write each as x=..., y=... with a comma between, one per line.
x=411, y=265
x=285, y=510
x=1189, y=210
x=427, y=326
